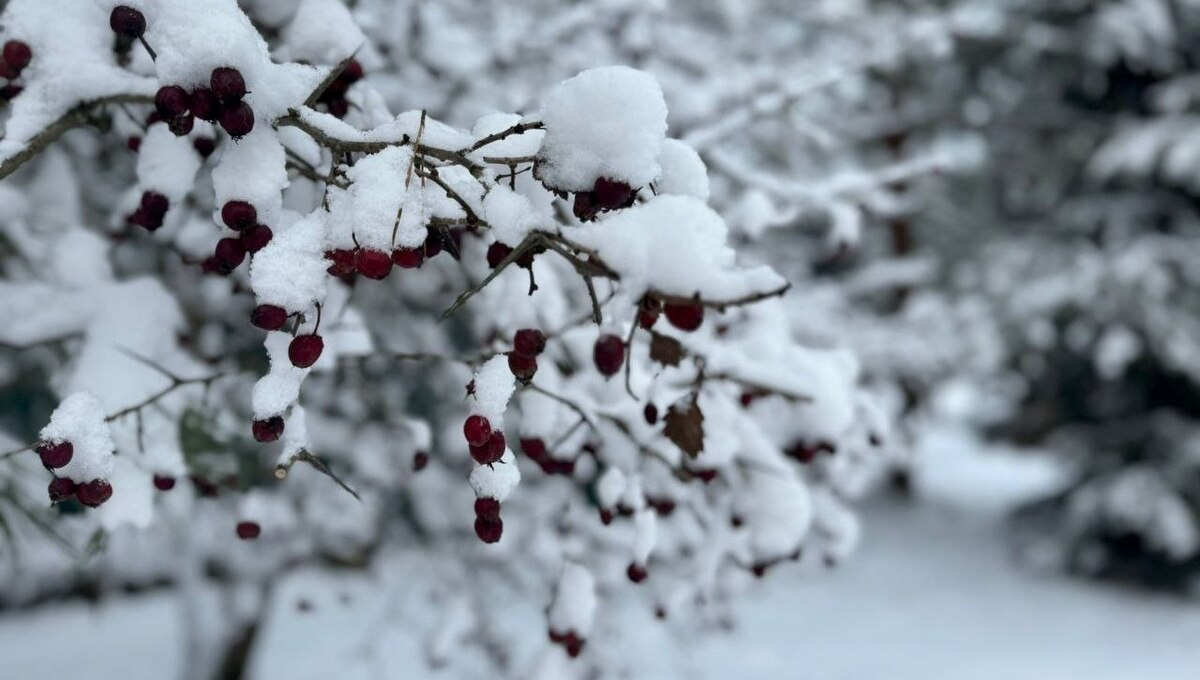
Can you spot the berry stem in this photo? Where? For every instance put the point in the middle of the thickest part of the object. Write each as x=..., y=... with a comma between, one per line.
x=149, y=50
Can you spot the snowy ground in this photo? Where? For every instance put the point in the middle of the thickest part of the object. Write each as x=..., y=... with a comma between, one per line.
x=933, y=593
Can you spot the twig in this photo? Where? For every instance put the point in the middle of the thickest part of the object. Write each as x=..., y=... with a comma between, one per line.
x=518, y=129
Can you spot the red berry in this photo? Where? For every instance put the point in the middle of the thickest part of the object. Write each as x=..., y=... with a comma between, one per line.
x=706, y=476
x=93, y=493
x=164, y=482
x=685, y=317
x=154, y=203
x=636, y=572
x=420, y=460
x=305, y=350
x=490, y=452
x=488, y=508
x=477, y=430
x=61, y=489
x=267, y=430
x=608, y=354
x=353, y=72
x=535, y=448
x=171, y=101
x=523, y=367
x=204, y=104
x=229, y=253
x=611, y=194
x=127, y=21
x=227, y=83
x=181, y=125
x=489, y=530
x=496, y=254
x=585, y=207
x=650, y=413
x=606, y=516
x=647, y=318
x=256, y=238
x=237, y=120
x=248, y=531
x=134, y=143
x=408, y=258
x=342, y=262
x=204, y=146
x=269, y=317
x=209, y=265
x=338, y=107
x=17, y=55
x=529, y=342
x=433, y=244
x=373, y=264
x=239, y=215
x=573, y=644
x=10, y=91
x=55, y=454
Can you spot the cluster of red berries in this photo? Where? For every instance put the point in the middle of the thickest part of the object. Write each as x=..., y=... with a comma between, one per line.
x=686, y=316
x=486, y=445
x=606, y=194
x=13, y=60
x=608, y=354
x=488, y=525
x=334, y=96
x=571, y=641
x=528, y=343
x=55, y=455
x=346, y=263
x=535, y=449
x=220, y=102
x=231, y=251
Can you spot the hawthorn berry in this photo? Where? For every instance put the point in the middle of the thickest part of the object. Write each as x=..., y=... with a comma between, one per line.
x=341, y=262
x=535, y=448
x=685, y=317
x=154, y=204
x=171, y=101
x=17, y=56
x=149, y=221
x=338, y=108
x=164, y=482
x=491, y=451
x=489, y=530
x=239, y=215
x=496, y=254
x=420, y=460
x=256, y=238
x=267, y=430
x=611, y=194
x=248, y=531
x=650, y=413
x=523, y=367
x=373, y=264
x=204, y=146
x=237, y=120
x=60, y=489
x=584, y=207
x=529, y=342
x=608, y=354
x=127, y=21
x=408, y=258
x=227, y=83
x=352, y=73
x=477, y=430
x=181, y=125
x=269, y=317
x=229, y=253
x=487, y=508
x=205, y=105
x=636, y=572
x=10, y=92
x=304, y=350
x=648, y=311
x=93, y=493
x=55, y=454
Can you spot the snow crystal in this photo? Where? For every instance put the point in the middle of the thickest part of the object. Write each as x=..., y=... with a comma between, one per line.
x=79, y=419
x=494, y=384
x=497, y=480
x=167, y=164
x=252, y=169
x=511, y=215
x=605, y=122
x=322, y=32
x=610, y=487
x=574, y=605
x=291, y=270
x=683, y=173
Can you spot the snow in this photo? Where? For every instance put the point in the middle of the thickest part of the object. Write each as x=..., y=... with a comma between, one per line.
x=497, y=480
x=683, y=173
x=610, y=487
x=252, y=170
x=167, y=164
x=385, y=195
x=605, y=122
x=574, y=607
x=645, y=534
x=513, y=146
x=79, y=419
x=290, y=271
x=494, y=385
x=321, y=32
x=511, y=215
x=279, y=388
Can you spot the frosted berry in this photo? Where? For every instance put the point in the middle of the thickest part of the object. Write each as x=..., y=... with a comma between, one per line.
x=239, y=215
x=93, y=493
x=127, y=21
x=227, y=83
x=304, y=350
x=496, y=254
x=341, y=262
x=171, y=101
x=636, y=572
x=256, y=238
x=267, y=430
x=408, y=258
x=611, y=194
x=585, y=207
x=237, y=120
x=477, y=430
x=60, y=489
x=248, y=531
x=17, y=56
x=164, y=482
x=373, y=264
x=489, y=530
x=229, y=254
x=205, y=105
x=608, y=354
x=685, y=317
x=269, y=317
x=523, y=367
x=529, y=342
x=204, y=146
x=487, y=508
x=55, y=454
x=650, y=413
x=420, y=460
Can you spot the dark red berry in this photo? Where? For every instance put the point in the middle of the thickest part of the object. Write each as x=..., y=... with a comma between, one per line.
x=746, y=399
x=610, y=194
x=490, y=452
x=636, y=572
x=237, y=120
x=181, y=125
x=55, y=454
x=239, y=215
x=93, y=493
x=204, y=146
x=229, y=253
x=205, y=105
x=535, y=448
x=477, y=430
x=164, y=482
x=305, y=350
x=647, y=318
x=154, y=204
x=134, y=143
x=208, y=265
x=171, y=101
x=685, y=317
x=150, y=220
x=523, y=367
x=227, y=83
x=248, y=531
x=650, y=413
x=488, y=508
x=267, y=430
x=338, y=107
x=256, y=238
x=61, y=489
x=373, y=264
x=433, y=244
x=17, y=55
x=573, y=644
x=496, y=254
x=420, y=460
x=706, y=476
x=127, y=21
x=489, y=530
x=529, y=342
x=352, y=73
x=606, y=516
x=341, y=262
x=408, y=258
x=10, y=92
x=585, y=207
x=269, y=317
x=608, y=354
